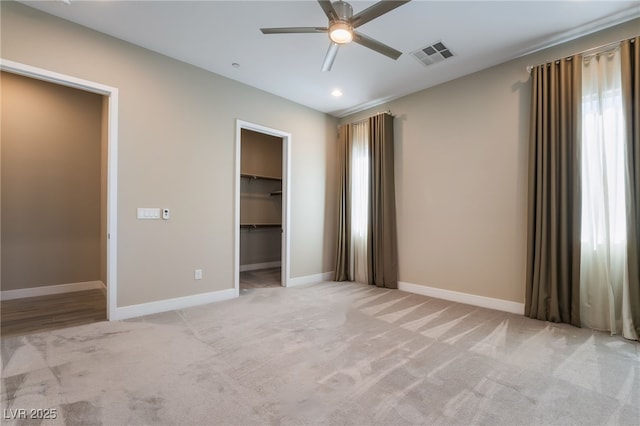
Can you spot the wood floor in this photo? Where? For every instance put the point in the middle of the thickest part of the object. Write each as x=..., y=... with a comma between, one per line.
x=44, y=313
x=260, y=278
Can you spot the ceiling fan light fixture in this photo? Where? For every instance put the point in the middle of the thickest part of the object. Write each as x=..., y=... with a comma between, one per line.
x=341, y=32
x=340, y=27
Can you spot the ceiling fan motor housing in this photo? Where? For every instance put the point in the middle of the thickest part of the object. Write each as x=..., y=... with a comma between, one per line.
x=343, y=10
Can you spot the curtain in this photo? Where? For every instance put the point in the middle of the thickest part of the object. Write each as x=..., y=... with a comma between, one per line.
x=343, y=256
x=630, y=69
x=383, y=202
x=367, y=237
x=603, y=274
x=554, y=223
x=361, y=237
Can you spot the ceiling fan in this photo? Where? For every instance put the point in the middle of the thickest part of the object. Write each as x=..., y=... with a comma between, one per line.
x=342, y=25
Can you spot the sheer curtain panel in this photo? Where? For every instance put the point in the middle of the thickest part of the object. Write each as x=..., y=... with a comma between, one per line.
x=360, y=261
x=604, y=280
x=553, y=224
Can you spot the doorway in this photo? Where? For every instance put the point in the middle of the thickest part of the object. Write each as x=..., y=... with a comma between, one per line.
x=261, y=206
x=108, y=177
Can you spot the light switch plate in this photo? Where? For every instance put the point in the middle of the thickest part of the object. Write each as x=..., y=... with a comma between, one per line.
x=146, y=213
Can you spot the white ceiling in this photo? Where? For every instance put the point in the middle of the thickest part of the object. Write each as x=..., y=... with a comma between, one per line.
x=214, y=34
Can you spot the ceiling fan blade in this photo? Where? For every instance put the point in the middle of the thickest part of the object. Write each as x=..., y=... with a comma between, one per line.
x=328, y=10
x=293, y=30
x=374, y=11
x=330, y=57
x=376, y=45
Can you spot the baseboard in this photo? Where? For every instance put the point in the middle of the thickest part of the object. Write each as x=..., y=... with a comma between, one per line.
x=256, y=266
x=310, y=279
x=149, y=308
x=50, y=289
x=466, y=298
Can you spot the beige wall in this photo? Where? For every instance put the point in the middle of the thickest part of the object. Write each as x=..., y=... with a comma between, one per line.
x=461, y=176
x=51, y=137
x=176, y=150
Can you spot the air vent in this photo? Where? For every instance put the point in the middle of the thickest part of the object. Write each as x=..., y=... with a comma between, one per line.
x=433, y=53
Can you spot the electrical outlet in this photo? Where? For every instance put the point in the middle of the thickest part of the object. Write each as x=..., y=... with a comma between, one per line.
x=197, y=274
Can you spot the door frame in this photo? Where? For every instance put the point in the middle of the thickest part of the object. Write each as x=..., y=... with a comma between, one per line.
x=286, y=172
x=112, y=160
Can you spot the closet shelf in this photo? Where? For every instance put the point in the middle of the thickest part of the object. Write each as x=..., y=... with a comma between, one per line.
x=248, y=176
x=260, y=225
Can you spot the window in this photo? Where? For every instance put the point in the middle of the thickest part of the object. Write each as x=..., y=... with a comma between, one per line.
x=603, y=145
x=603, y=266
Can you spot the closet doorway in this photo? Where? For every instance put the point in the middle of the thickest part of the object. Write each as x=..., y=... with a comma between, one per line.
x=71, y=205
x=262, y=209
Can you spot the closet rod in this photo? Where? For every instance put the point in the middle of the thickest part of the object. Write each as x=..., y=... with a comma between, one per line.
x=255, y=177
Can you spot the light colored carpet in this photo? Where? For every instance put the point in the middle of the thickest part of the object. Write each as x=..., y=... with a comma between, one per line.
x=330, y=353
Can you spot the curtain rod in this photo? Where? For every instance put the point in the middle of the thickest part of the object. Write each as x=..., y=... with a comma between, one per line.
x=388, y=112
x=591, y=50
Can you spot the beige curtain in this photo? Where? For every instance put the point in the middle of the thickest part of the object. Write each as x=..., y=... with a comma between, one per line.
x=383, y=203
x=343, y=249
x=381, y=245
x=630, y=64
x=554, y=226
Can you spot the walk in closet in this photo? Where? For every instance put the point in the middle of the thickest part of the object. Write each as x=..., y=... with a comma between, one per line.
x=260, y=201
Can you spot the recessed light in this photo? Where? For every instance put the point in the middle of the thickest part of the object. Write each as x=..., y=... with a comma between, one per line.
x=336, y=93
x=235, y=65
